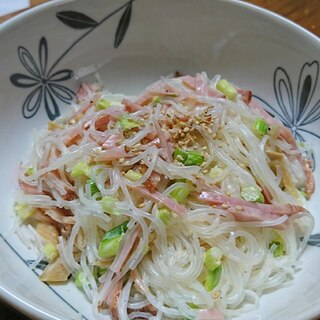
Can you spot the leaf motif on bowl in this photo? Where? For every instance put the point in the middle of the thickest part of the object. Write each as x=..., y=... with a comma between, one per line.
x=47, y=88
x=76, y=20
x=300, y=106
x=46, y=83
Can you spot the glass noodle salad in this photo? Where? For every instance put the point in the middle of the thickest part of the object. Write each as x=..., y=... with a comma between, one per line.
x=185, y=202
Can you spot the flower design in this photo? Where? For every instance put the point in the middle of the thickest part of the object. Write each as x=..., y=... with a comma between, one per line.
x=47, y=88
x=297, y=109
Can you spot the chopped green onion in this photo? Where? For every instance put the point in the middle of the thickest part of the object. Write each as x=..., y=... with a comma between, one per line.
x=111, y=241
x=188, y=158
x=260, y=127
x=213, y=278
x=108, y=204
x=279, y=250
x=279, y=246
x=214, y=172
x=80, y=169
x=133, y=175
x=81, y=279
x=30, y=171
x=212, y=258
x=156, y=100
x=252, y=194
x=180, y=155
x=128, y=123
x=193, y=306
x=103, y=104
x=165, y=215
x=180, y=194
x=194, y=159
x=101, y=271
x=50, y=251
x=24, y=210
x=227, y=89
x=93, y=187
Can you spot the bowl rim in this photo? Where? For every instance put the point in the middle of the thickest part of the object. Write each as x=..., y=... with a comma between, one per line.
x=13, y=299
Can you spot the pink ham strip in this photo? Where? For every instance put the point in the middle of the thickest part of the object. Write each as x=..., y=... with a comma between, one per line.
x=144, y=98
x=310, y=184
x=112, y=154
x=131, y=106
x=219, y=199
x=28, y=189
x=113, y=297
x=111, y=141
x=125, y=250
x=159, y=197
x=210, y=314
x=87, y=106
x=165, y=145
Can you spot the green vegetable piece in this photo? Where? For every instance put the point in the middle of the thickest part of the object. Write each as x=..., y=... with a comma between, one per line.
x=133, y=175
x=29, y=172
x=128, y=123
x=93, y=187
x=80, y=169
x=280, y=247
x=194, y=159
x=103, y=104
x=180, y=155
x=156, y=100
x=50, y=251
x=23, y=210
x=111, y=241
x=260, y=127
x=213, y=278
x=252, y=194
x=188, y=158
x=180, y=194
x=193, y=306
x=227, y=89
x=214, y=172
x=108, y=204
x=165, y=215
x=101, y=271
x=109, y=248
x=212, y=258
x=80, y=280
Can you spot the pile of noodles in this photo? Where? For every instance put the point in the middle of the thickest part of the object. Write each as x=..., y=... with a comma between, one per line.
x=158, y=271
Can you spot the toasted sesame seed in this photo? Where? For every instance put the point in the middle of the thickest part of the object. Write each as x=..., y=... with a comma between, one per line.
x=239, y=208
x=224, y=206
x=216, y=294
x=121, y=160
x=182, y=135
x=141, y=205
x=186, y=129
x=205, y=171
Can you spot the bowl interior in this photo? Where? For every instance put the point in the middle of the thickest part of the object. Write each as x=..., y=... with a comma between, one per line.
x=47, y=53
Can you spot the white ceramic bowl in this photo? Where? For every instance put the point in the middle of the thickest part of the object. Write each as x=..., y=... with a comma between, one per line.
x=47, y=51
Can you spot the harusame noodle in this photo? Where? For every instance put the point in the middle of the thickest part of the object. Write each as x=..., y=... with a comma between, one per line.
x=185, y=202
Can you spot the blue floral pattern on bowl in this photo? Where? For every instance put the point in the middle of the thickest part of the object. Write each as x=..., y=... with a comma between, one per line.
x=47, y=83
x=297, y=108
